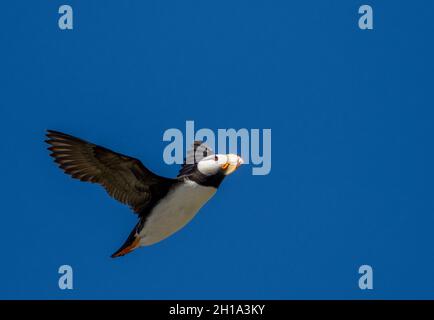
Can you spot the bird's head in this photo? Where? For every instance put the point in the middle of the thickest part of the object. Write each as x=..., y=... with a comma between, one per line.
x=219, y=164
x=205, y=167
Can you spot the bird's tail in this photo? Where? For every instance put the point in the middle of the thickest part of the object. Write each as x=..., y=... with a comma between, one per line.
x=132, y=242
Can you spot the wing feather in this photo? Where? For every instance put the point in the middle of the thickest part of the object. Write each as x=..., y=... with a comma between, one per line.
x=125, y=178
x=197, y=152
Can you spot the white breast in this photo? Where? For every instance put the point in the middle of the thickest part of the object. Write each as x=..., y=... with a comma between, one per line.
x=174, y=211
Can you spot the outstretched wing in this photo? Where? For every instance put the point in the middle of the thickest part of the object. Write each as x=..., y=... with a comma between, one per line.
x=126, y=179
x=197, y=152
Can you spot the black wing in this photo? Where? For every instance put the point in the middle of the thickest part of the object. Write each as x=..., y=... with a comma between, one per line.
x=197, y=152
x=126, y=179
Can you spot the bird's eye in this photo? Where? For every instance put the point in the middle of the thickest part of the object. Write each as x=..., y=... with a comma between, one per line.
x=216, y=158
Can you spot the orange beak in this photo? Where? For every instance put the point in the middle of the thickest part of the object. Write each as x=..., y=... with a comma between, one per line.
x=231, y=164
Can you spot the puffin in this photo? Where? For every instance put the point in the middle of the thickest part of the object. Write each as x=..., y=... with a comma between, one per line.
x=163, y=205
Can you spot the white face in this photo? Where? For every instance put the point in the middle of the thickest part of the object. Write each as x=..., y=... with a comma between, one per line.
x=225, y=163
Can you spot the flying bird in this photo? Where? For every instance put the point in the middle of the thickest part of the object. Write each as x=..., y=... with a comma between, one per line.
x=163, y=205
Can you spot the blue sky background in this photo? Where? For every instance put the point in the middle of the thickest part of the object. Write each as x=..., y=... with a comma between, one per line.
x=351, y=114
